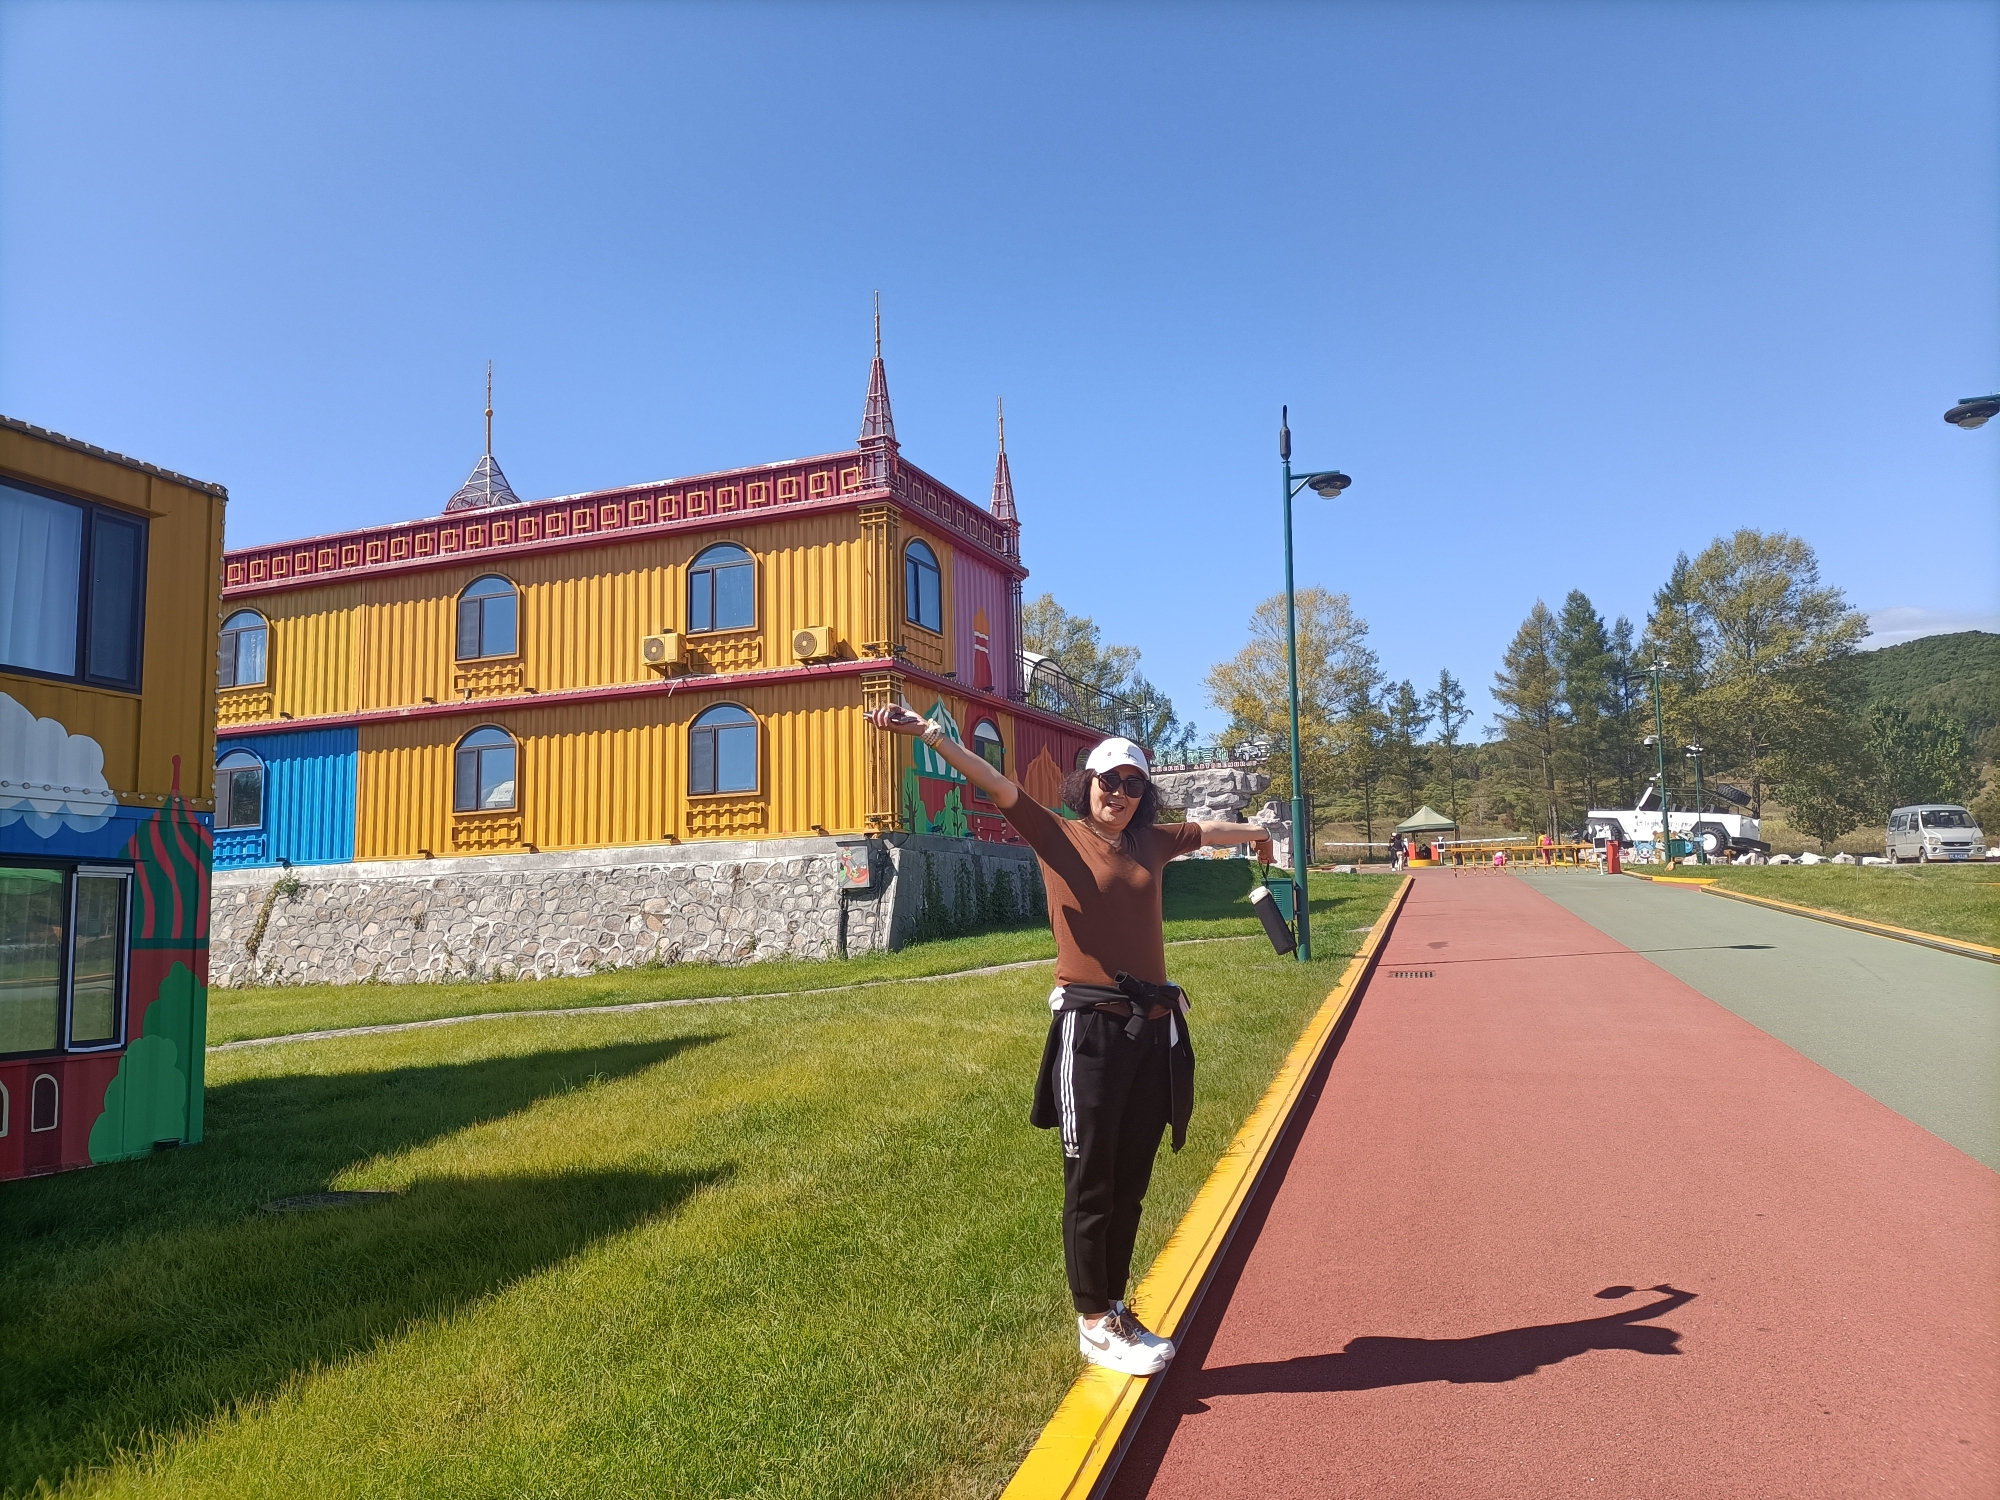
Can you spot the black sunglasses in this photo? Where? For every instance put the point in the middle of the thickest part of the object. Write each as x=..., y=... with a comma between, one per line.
x=1132, y=784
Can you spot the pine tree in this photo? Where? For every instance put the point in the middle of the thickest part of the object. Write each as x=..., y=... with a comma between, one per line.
x=1408, y=718
x=1584, y=655
x=1532, y=718
x=1446, y=703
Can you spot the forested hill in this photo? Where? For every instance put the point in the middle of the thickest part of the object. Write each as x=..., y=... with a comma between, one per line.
x=1959, y=673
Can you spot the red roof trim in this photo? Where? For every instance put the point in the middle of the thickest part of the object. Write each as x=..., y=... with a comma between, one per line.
x=703, y=502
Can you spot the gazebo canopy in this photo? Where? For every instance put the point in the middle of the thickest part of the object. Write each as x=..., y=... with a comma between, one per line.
x=1427, y=819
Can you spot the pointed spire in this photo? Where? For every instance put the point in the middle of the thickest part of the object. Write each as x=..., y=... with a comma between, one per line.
x=486, y=485
x=1003, y=487
x=878, y=426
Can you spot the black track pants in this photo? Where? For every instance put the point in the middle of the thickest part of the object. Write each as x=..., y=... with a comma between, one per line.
x=1113, y=1092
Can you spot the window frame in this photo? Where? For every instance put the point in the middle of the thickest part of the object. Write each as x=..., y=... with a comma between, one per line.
x=224, y=773
x=756, y=728
x=465, y=597
x=460, y=748
x=93, y=512
x=121, y=993
x=913, y=600
x=70, y=869
x=228, y=640
x=696, y=568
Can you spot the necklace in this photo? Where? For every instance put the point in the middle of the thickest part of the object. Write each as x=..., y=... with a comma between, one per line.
x=1115, y=840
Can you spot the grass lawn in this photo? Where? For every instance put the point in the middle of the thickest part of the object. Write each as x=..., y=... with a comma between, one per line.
x=1961, y=901
x=1205, y=899
x=786, y=1247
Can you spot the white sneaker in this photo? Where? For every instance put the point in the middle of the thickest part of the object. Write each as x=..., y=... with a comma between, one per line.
x=1112, y=1344
x=1141, y=1333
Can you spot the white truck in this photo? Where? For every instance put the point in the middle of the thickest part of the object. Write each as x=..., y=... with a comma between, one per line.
x=1711, y=832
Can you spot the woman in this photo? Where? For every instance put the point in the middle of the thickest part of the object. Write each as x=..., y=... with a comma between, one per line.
x=1117, y=1068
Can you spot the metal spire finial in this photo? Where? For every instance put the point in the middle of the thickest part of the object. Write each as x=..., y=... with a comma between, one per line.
x=1003, y=507
x=878, y=424
x=489, y=408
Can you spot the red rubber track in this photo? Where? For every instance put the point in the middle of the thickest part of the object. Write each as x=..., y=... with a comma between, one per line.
x=1559, y=1225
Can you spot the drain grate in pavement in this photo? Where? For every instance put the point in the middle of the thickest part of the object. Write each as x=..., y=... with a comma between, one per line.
x=306, y=1203
x=1413, y=973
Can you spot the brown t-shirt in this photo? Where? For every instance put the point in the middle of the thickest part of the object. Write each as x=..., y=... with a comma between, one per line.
x=1104, y=905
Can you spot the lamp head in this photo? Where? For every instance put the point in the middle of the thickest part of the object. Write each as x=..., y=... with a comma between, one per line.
x=1973, y=411
x=1330, y=484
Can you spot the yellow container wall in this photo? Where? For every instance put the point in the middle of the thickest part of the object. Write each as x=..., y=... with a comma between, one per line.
x=172, y=716
x=605, y=774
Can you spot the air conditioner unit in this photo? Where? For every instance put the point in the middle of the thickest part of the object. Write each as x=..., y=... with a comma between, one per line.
x=814, y=643
x=662, y=651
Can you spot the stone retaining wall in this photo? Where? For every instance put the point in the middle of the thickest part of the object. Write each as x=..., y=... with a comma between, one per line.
x=542, y=915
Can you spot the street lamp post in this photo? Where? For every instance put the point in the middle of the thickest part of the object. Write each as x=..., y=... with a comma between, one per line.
x=1328, y=483
x=1700, y=852
x=1660, y=744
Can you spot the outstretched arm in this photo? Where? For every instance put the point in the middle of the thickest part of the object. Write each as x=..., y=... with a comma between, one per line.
x=1223, y=834
x=976, y=769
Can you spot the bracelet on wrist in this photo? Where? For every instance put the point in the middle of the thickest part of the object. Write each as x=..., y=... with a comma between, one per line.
x=931, y=733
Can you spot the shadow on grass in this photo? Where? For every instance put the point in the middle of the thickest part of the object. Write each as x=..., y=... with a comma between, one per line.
x=140, y=1300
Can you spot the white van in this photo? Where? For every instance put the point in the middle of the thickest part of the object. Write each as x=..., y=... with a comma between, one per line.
x=1933, y=831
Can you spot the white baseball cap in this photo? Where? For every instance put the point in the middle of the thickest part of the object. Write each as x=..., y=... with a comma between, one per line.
x=1117, y=752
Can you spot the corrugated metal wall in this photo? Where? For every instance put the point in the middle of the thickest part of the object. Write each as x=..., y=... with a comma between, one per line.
x=309, y=792
x=978, y=585
x=594, y=775
x=172, y=717
x=389, y=642
x=313, y=665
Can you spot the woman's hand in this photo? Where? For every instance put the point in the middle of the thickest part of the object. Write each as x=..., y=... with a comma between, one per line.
x=1265, y=851
x=893, y=718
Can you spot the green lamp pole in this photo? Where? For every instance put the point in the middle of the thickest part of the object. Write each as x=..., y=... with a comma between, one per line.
x=1328, y=483
x=1660, y=744
x=1700, y=853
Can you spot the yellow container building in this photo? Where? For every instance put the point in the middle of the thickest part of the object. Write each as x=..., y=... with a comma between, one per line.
x=661, y=663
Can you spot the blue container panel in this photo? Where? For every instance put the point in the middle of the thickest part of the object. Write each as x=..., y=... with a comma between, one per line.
x=309, y=777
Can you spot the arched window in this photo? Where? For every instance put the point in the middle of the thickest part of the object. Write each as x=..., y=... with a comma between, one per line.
x=923, y=597
x=488, y=618
x=243, y=638
x=987, y=745
x=44, y=1104
x=483, y=771
x=239, y=791
x=6, y=1100
x=722, y=752
x=722, y=589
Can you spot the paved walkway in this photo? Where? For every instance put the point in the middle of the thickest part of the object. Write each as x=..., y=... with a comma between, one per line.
x=1917, y=1028
x=1558, y=1224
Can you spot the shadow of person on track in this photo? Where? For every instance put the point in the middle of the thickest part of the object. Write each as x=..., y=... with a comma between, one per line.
x=1372, y=1362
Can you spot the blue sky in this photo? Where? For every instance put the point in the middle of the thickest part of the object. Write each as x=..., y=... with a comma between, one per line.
x=1566, y=288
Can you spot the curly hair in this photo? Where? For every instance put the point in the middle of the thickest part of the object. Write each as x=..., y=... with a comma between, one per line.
x=1076, y=797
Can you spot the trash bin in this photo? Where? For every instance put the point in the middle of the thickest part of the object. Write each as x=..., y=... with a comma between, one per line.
x=1284, y=892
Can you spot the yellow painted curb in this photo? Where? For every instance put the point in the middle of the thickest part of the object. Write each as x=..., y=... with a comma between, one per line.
x=1083, y=1440
x=1959, y=946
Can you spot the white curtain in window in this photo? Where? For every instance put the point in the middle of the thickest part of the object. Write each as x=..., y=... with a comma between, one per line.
x=41, y=564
